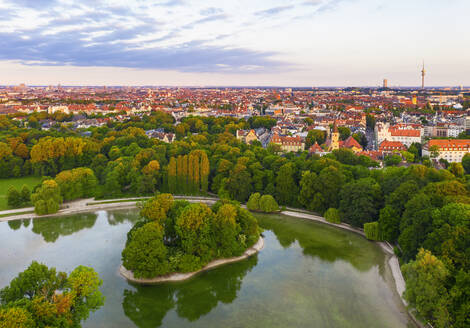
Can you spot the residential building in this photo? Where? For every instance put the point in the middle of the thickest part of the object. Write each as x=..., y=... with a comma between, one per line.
x=391, y=146
x=451, y=150
x=404, y=133
x=289, y=143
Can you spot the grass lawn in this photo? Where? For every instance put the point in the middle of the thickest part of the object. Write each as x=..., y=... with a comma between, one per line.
x=18, y=213
x=16, y=182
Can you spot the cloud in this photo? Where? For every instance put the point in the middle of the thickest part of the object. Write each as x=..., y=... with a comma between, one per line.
x=205, y=20
x=211, y=11
x=129, y=37
x=33, y=3
x=330, y=5
x=66, y=48
x=273, y=11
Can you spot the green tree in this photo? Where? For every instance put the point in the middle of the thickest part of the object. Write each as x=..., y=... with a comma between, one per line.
x=466, y=163
x=286, y=186
x=425, y=287
x=239, y=183
x=389, y=222
x=193, y=226
x=310, y=195
x=253, y=202
x=313, y=136
x=77, y=183
x=145, y=253
x=360, y=201
x=268, y=204
x=172, y=176
x=344, y=132
x=434, y=151
x=42, y=297
x=332, y=215
x=372, y=231
x=83, y=283
x=457, y=169
x=25, y=195
x=16, y=317
x=156, y=209
x=14, y=197
x=392, y=160
x=47, y=198
x=225, y=231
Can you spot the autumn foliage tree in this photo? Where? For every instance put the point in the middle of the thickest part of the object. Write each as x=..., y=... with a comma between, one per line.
x=42, y=297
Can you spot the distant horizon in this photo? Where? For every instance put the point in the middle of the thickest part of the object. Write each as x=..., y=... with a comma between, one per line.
x=233, y=86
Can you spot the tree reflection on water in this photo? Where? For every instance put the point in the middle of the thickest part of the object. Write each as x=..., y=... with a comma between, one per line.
x=147, y=306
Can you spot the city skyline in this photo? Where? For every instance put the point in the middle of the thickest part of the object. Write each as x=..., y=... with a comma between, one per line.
x=267, y=43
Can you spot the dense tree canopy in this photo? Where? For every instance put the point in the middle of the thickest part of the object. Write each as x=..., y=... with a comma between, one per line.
x=176, y=236
x=42, y=297
x=415, y=207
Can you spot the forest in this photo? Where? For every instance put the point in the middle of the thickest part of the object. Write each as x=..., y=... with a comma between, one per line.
x=423, y=211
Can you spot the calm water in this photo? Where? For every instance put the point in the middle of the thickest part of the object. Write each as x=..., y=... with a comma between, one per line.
x=308, y=275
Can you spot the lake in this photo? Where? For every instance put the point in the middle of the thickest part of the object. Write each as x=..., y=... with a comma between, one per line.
x=308, y=275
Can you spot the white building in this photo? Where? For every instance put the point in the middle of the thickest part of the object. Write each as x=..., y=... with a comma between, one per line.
x=451, y=150
x=54, y=109
x=404, y=133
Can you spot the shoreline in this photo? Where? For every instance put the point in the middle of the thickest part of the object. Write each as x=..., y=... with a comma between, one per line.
x=90, y=205
x=176, y=277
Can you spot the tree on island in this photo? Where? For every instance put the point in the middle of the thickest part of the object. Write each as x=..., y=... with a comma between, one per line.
x=176, y=236
x=42, y=297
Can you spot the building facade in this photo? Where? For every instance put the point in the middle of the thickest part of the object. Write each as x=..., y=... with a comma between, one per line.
x=452, y=150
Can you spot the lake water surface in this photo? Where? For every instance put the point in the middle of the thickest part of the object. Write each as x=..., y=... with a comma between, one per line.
x=308, y=275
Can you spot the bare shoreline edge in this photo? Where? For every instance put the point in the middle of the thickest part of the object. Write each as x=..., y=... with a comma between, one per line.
x=174, y=277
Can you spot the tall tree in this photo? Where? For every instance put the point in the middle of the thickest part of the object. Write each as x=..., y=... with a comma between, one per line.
x=172, y=177
x=286, y=186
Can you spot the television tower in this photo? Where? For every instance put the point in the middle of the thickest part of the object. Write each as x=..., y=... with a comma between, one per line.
x=423, y=73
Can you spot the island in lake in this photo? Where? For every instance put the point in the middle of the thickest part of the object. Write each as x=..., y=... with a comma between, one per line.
x=175, y=237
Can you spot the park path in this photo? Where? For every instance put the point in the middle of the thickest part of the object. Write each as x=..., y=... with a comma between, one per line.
x=90, y=205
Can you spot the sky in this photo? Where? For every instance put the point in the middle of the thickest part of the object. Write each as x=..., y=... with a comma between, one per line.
x=234, y=42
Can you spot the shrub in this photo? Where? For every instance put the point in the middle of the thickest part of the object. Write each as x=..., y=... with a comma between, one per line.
x=25, y=195
x=268, y=204
x=372, y=231
x=332, y=215
x=189, y=263
x=14, y=197
x=253, y=202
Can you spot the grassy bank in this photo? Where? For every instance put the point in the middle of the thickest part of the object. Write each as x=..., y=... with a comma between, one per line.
x=18, y=184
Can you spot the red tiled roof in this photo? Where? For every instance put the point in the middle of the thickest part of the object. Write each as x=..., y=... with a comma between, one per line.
x=315, y=148
x=350, y=143
x=450, y=143
x=391, y=145
x=404, y=133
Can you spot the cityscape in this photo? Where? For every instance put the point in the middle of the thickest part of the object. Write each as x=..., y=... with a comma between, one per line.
x=285, y=163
